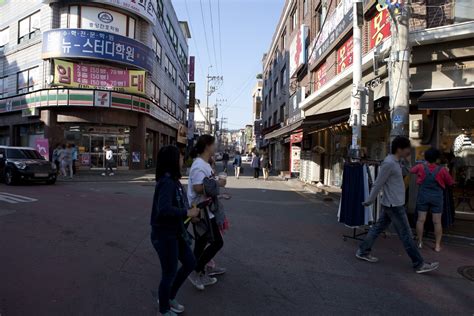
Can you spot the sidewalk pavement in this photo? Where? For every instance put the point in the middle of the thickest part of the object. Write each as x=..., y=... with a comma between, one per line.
x=119, y=176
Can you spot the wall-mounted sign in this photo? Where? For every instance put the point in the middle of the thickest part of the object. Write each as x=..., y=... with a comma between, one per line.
x=339, y=21
x=379, y=28
x=294, y=111
x=297, y=50
x=102, y=99
x=144, y=8
x=320, y=78
x=77, y=43
x=89, y=76
x=295, y=158
x=182, y=134
x=136, y=156
x=344, y=55
x=94, y=18
x=192, y=61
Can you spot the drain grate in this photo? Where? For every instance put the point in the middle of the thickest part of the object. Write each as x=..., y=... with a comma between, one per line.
x=467, y=272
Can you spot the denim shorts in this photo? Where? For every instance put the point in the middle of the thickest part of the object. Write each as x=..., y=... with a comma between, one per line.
x=432, y=203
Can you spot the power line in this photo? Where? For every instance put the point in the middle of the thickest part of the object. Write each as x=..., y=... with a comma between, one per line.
x=213, y=37
x=205, y=32
x=220, y=34
x=194, y=38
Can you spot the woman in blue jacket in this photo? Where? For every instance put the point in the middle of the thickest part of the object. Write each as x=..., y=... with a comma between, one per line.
x=168, y=233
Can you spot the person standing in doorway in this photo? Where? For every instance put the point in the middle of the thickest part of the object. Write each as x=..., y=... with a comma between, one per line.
x=390, y=181
x=237, y=164
x=265, y=163
x=225, y=160
x=205, y=249
x=432, y=180
x=168, y=232
x=255, y=164
x=109, y=161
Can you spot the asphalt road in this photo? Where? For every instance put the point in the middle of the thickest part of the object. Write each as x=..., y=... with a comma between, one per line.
x=84, y=249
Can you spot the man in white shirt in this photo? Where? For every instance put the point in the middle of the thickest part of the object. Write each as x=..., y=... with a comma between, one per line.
x=109, y=161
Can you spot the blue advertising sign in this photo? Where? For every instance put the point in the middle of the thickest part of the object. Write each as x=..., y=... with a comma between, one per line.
x=91, y=44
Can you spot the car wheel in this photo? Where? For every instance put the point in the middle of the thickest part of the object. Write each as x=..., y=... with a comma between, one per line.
x=9, y=177
x=51, y=181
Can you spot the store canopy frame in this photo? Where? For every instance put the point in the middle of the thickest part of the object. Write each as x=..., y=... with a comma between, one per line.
x=454, y=99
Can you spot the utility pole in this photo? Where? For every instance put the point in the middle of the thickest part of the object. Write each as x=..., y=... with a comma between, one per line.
x=357, y=87
x=399, y=69
x=211, y=86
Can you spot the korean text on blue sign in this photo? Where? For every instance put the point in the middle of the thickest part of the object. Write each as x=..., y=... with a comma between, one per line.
x=91, y=44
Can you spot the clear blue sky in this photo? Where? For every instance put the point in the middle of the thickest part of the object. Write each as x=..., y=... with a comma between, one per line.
x=247, y=28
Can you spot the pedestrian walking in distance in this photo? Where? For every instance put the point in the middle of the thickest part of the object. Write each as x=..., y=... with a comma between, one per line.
x=432, y=180
x=237, y=164
x=390, y=181
x=169, y=235
x=255, y=164
x=74, y=158
x=205, y=248
x=57, y=152
x=265, y=163
x=66, y=161
x=109, y=161
x=225, y=160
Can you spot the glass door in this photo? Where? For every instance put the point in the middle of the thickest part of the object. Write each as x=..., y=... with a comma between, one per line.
x=97, y=153
x=123, y=152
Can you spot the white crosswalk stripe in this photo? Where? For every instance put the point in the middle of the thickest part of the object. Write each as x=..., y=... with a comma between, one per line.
x=14, y=199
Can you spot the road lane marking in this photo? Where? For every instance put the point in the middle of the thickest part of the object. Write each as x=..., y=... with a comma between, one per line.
x=15, y=199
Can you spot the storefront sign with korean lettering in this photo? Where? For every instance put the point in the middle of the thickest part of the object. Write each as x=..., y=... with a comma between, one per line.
x=379, y=28
x=88, y=76
x=320, y=78
x=344, y=55
x=78, y=43
x=335, y=25
x=95, y=18
x=144, y=8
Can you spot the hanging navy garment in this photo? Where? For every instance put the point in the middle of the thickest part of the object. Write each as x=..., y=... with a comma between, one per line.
x=352, y=212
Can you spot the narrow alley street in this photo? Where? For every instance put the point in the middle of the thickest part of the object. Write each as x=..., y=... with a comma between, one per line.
x=83, y=249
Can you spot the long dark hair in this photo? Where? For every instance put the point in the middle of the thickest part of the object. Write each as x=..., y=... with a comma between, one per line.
x=168, y=162
x=201, y=144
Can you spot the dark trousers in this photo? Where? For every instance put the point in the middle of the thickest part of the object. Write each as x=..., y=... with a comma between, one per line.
x=397, y=216
x=203, y=254
x=256, y=172
x=74, y=167
x=108, y=166
x=170, y=249
x=225, y=163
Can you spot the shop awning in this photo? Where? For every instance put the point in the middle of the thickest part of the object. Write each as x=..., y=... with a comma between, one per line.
x=338, y=101
x=284, y=130
x=447, y=99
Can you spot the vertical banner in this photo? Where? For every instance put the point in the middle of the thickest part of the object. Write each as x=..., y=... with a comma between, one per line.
x=42, y=146
x=379, y=28
x=192, y=61
x=344, y=55
x=192, y=96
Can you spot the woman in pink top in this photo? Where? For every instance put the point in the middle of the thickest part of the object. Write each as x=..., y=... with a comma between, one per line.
x=432, y=180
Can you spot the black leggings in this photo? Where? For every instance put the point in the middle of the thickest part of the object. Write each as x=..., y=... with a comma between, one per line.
x=256, y=172
x=203, y=254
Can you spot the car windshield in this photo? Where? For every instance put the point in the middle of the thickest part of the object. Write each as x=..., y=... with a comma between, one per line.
x=23, y=154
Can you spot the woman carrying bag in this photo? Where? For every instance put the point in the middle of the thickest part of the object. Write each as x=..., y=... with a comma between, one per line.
x=168, y=233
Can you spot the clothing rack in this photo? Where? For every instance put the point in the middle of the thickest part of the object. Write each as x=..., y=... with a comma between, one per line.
x=359, y=231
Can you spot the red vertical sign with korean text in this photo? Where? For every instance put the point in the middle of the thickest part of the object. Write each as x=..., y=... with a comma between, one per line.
x=379, y=28
x=344, y=55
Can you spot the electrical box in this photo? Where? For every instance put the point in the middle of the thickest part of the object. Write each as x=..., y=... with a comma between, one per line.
x=416, y=126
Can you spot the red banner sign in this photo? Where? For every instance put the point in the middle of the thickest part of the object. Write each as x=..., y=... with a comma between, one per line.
x=379, y=28
x=320, y=76
x=344, y=55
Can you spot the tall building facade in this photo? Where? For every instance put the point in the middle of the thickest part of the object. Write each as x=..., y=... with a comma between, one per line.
x=93, y=73
x=307, y=116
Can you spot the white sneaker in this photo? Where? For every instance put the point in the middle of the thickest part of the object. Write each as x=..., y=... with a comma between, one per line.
x=111, y=174
x=195, y=279
x=103, y=174
x=206, y=280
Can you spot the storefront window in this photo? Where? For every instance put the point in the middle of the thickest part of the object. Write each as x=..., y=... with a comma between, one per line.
x=457, y=146
x=29, y=134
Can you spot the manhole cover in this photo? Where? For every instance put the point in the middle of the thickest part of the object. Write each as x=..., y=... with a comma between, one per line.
x=467, y=272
